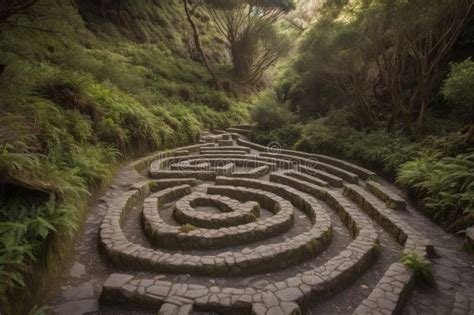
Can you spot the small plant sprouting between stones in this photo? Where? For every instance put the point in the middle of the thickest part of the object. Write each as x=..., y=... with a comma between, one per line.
x=185, y=228
x=420, y=266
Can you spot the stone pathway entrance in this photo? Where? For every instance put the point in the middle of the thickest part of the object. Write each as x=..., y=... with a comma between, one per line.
x=228, y=226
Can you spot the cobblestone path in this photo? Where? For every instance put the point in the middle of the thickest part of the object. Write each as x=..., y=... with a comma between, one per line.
x=231, y=227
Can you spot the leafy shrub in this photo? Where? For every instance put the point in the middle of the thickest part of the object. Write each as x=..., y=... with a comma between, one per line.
x=74, y=103
x=420, y=266
x=447, y=185
x=285, y=136
x=24, y=229
x=438, y=168
x=269, y=114
x=457, y=88
x=107, y=130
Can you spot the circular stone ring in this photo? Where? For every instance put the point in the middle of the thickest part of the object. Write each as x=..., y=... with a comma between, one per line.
x=233, y=212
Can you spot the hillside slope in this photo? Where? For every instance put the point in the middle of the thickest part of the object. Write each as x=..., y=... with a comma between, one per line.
x=82, y=88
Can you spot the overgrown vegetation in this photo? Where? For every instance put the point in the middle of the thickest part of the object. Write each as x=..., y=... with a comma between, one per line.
x=420, y=266
x=185, y=228
x=250, y=36
x=84, y=86
x=386, y=84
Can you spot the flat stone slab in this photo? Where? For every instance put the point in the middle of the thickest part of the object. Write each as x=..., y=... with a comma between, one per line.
x=77, y=307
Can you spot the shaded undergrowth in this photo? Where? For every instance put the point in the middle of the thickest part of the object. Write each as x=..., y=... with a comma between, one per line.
x=76, y=101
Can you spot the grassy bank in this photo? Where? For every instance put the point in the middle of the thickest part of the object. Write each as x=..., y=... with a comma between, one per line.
x=81, y=92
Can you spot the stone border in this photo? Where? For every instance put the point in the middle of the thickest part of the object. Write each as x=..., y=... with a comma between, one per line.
x=201, y=175
x=308, y=178
x=145, y=162
x=320, y=281
x=463, y=303
x=160, y=184
x=218, y=169
x=253, y=173
x=248, y=261
x=391, y=221
x=391, y=292
x=160, y=164
x=391, y=199
x=329, y=178
x=350, y=167
x=232, y=212
x=242, y=161
x=233, y=152
x=164, y=235
x=225, y=143
x=353, y=168
x=278, y=298
x=238, y=130
x=222, y=149
x=347, y=176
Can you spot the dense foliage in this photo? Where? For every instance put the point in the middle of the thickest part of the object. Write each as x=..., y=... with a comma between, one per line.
x=251, y=38
x=386, y=84
x=377, y=57
x=82, y=88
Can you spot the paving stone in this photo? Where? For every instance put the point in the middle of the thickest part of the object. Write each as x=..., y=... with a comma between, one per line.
x=81, y=291
x=285, y=191
x=77, y=307
x=116, y=280
x=78, y=270
x=158, y=290
x=269, y=299
x=289, y=294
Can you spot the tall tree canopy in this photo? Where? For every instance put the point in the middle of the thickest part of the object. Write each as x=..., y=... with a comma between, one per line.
x=247, y=26
x=10, y=8
x=384, y=56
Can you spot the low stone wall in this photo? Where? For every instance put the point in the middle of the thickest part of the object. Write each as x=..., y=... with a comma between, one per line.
x=391, y=221
x=391, y=292
x=165, y=235
x=391, y=199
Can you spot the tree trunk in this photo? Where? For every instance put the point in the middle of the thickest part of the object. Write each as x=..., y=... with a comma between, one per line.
x=419, y=120
x=393, y=118
x=408, y=123
x=240, y=61
x=198, y=44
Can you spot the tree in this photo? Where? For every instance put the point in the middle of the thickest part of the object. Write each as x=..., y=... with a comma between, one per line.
x=11, y=8
x=303, y=15
x=410, y=39
x=197, y=42
x=8, y=10
x=106, y=5
x=458, y=90
x=247, y=26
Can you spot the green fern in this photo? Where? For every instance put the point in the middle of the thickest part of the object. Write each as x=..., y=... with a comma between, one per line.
x=23, y=229
x=447, y=185
x=420, y=266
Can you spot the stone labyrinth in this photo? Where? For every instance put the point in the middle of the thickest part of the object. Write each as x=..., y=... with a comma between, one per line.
x=228, y=209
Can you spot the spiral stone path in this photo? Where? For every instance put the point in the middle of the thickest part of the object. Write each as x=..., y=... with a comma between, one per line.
x=231, y=227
